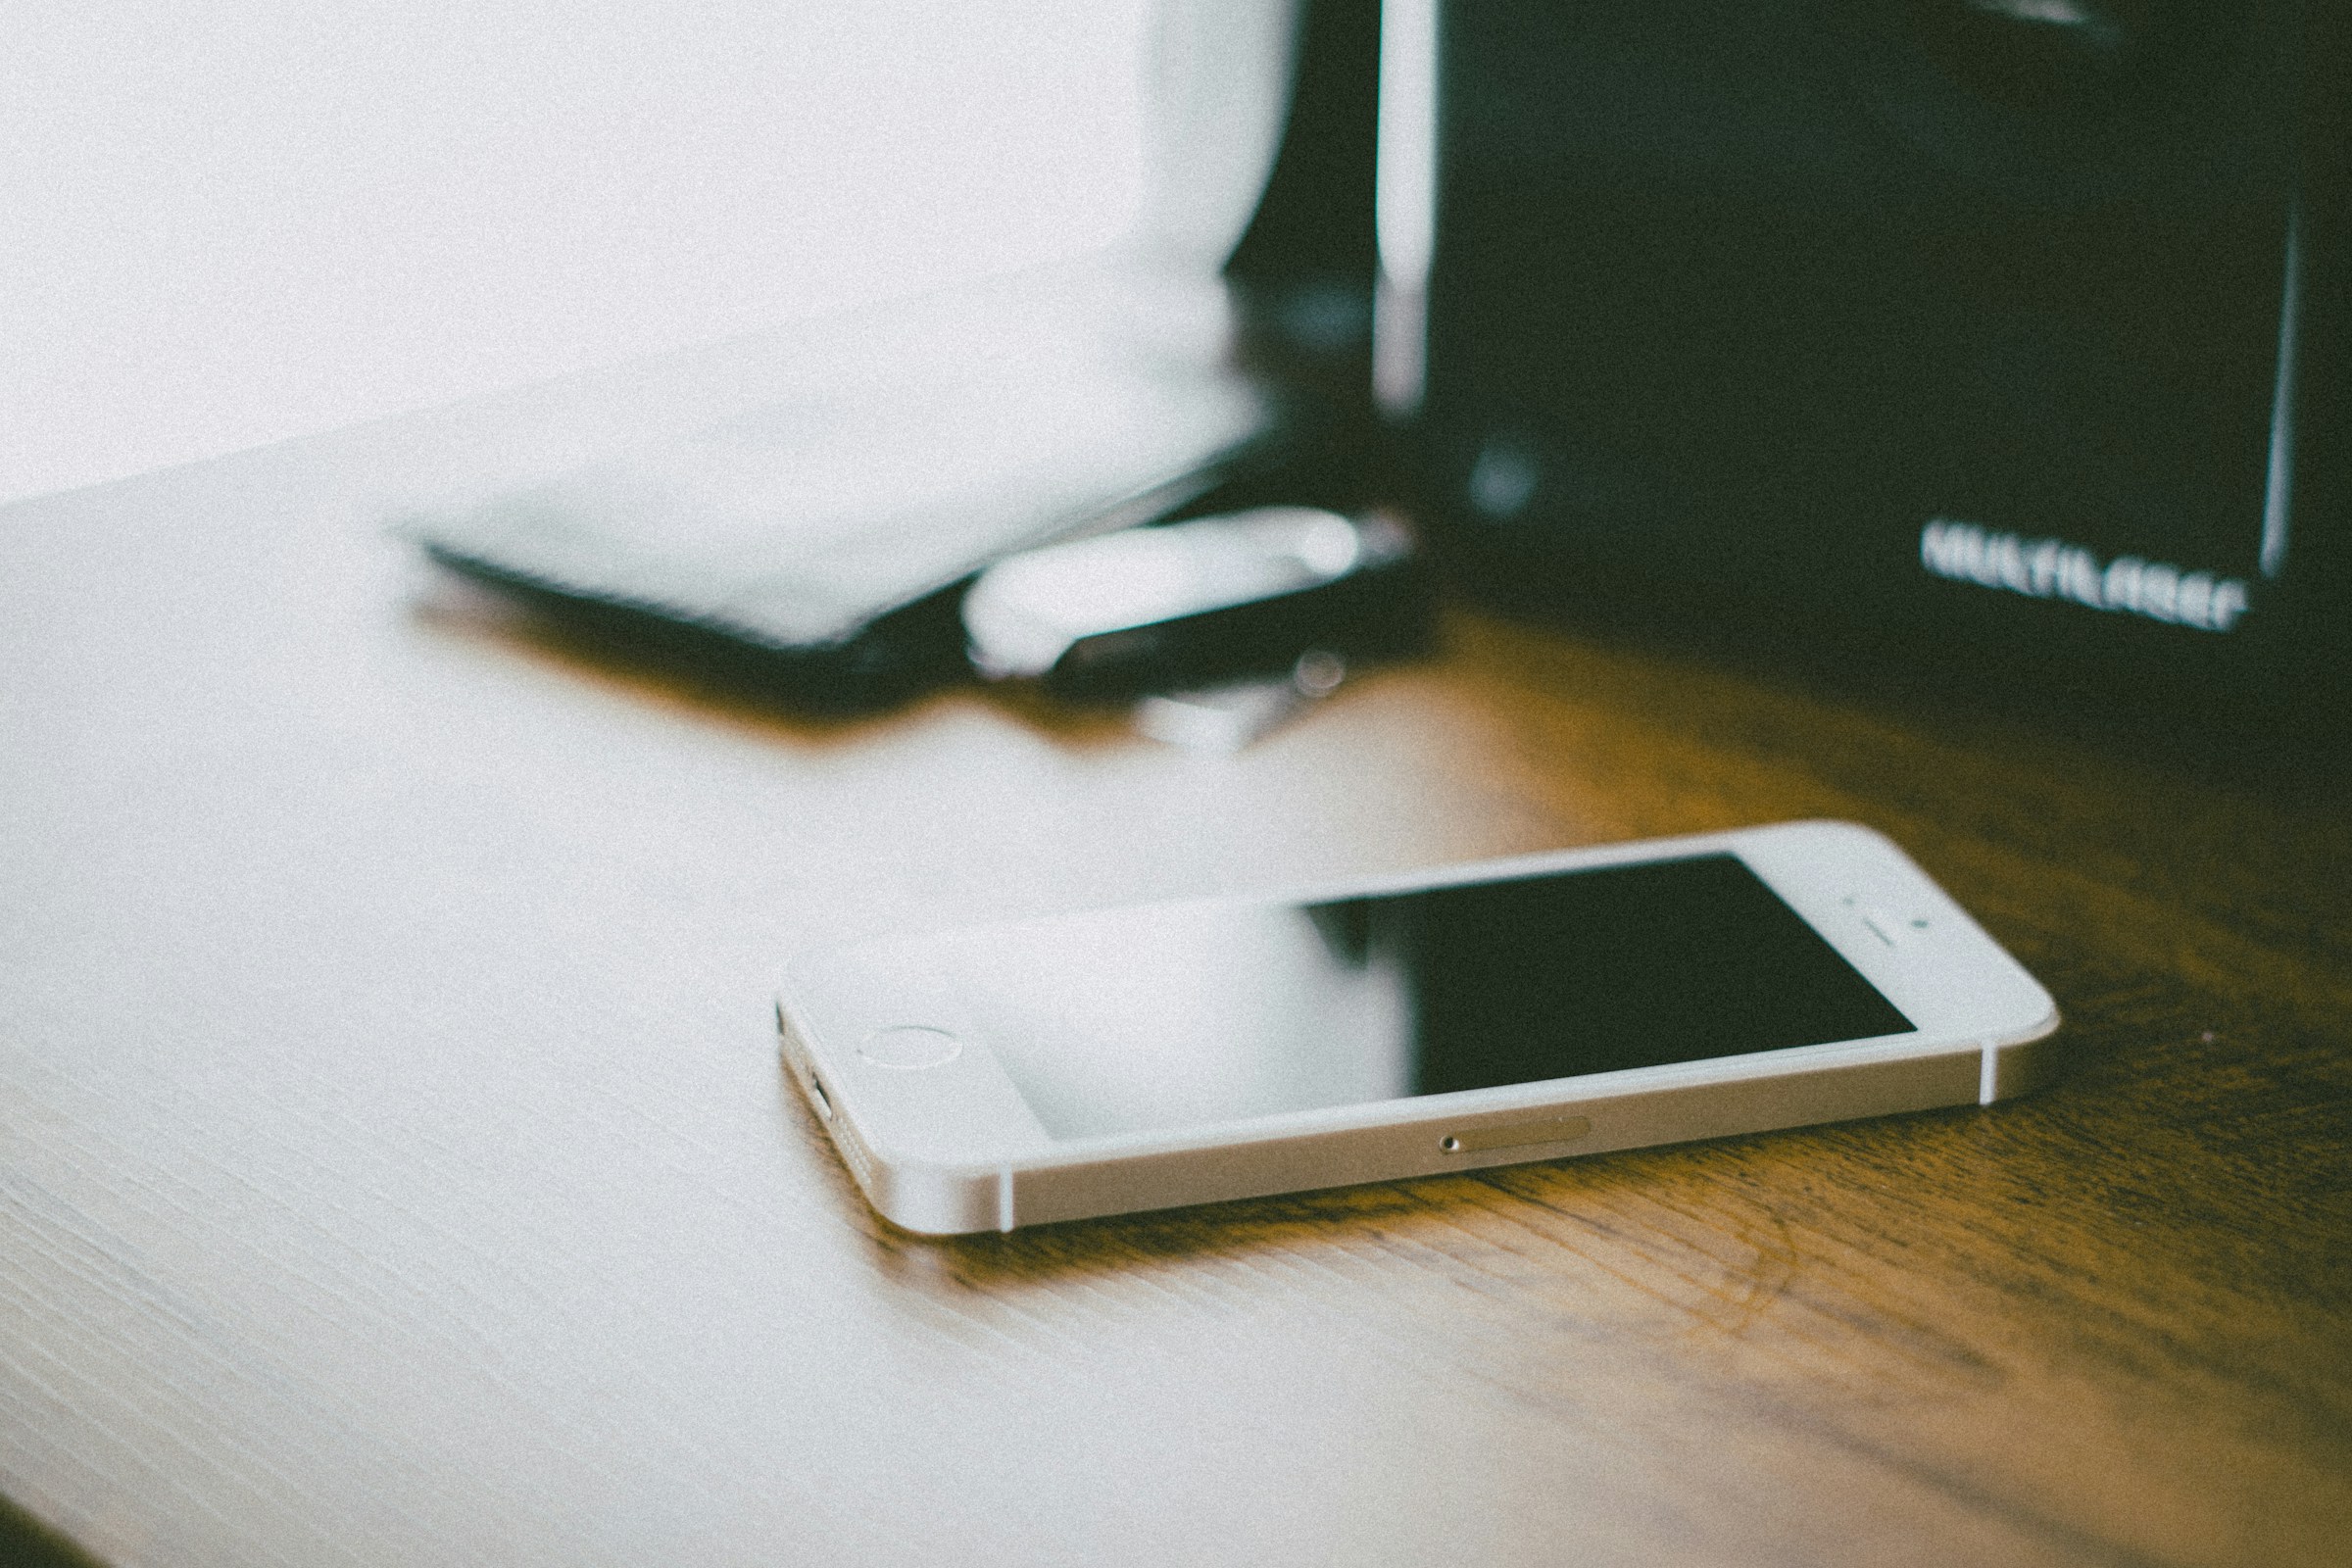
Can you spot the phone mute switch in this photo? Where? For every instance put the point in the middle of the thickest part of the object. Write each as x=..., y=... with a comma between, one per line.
x=1519, y=1135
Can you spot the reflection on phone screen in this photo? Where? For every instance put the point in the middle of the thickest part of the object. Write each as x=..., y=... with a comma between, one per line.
x=1169, y=1016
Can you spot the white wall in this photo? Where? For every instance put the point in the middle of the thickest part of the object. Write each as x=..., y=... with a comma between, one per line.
x=228, y=221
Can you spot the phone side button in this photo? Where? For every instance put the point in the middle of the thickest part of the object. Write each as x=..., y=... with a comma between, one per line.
x=1519, y=1135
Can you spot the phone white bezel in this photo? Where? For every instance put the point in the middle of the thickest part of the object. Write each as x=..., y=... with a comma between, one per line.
x=954, y=1147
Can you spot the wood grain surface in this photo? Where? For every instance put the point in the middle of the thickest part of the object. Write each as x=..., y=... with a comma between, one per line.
x=395, y=1165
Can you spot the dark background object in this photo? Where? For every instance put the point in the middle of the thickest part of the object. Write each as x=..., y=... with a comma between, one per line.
x=26, y=1543
x=1303, y=267
x=912, y=650
x=1890, y=330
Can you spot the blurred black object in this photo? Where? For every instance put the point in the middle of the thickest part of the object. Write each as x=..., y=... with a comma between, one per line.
x=1304, y=266
x=813, y=551
x=1198, y=602
x=2008, y=335
x=901, y=654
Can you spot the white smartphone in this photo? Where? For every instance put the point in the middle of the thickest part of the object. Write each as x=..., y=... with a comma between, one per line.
x=1520, y=1009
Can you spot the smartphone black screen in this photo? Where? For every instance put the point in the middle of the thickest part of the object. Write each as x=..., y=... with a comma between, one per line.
x=1626, y=966
x=1168, y=1016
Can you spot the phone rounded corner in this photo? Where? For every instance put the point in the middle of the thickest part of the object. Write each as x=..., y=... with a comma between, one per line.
x=2024, y=1058
x=1818, y=841
x=935, y=1199
x=928, y=1221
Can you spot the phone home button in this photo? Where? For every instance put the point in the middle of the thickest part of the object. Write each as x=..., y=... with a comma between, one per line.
x=910, y=1046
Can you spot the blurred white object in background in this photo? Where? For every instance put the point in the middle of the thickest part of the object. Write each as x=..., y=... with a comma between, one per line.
x=224, y=223
x=1216, y=92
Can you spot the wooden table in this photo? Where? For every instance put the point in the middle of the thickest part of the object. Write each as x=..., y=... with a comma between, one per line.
x=395, y=1165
